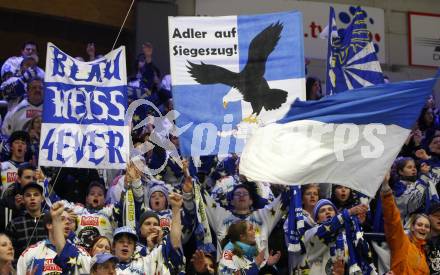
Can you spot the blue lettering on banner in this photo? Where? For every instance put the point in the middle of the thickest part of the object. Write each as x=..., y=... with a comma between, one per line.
x=74, y=145
x=107, y=69
x=84, y=104
x=84, y=112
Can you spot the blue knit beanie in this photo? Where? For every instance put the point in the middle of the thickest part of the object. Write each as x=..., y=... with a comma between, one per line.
x=320, y=204
x=158, y=187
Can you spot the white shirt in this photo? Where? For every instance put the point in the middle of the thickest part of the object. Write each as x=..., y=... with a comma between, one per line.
x=17, y=118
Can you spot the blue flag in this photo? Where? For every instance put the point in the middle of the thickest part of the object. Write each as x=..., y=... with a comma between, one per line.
x=351, y=57
x=231, y=74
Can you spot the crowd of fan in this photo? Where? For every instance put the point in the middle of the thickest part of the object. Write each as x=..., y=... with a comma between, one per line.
x=87, y=221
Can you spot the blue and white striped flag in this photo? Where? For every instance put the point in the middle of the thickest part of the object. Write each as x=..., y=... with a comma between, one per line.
x=351, y=57
x=350, y=138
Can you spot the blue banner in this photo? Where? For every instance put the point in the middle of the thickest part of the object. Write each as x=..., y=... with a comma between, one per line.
x=233, y=74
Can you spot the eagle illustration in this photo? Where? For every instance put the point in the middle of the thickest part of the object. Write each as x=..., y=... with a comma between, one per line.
x=250, y=83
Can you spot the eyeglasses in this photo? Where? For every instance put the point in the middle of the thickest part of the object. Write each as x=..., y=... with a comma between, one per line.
x=241, y=194
x=67, y=219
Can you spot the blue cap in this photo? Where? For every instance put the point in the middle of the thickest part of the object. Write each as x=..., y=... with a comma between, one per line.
x=101, y=258
x=125, y=230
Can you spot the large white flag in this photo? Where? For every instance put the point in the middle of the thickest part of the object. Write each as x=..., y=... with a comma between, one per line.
x=351, y=138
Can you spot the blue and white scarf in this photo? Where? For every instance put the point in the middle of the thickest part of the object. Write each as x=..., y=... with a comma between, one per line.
x=296, y=227
x=358, y=249
x=202, y=231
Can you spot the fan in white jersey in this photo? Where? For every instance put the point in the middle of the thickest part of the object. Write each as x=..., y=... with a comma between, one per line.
x=40, y=256
x=165, y=259
x=28, y=108
x=18, y=142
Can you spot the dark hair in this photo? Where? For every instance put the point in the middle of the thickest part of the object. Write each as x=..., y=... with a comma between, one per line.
x=245, y=186
x=21, y=135
x=139, y=57
x=249, y=186
x=24, y=166
x=401, y=162
x=257, y=201
x=421, y=120
x=95, y=183
x=431, y=139
x=36, y=78
x=398, y=165
x=351, y=200
x=119, y=236
x=29, y=43
x=47, y=219
x=309, y=84
x=235, y=230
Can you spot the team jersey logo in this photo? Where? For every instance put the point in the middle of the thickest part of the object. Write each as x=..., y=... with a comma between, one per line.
x=32, y=113
x=49, y=266
x=89, y=221
x=164, y=222
x=11, y=176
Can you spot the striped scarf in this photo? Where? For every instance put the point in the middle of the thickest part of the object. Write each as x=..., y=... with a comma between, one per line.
x=349, y=244
x=295, y=229
x=429, y=180
x=360, y=261
x=202, y=231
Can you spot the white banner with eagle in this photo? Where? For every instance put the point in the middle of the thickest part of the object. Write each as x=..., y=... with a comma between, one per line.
x=233, y=74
